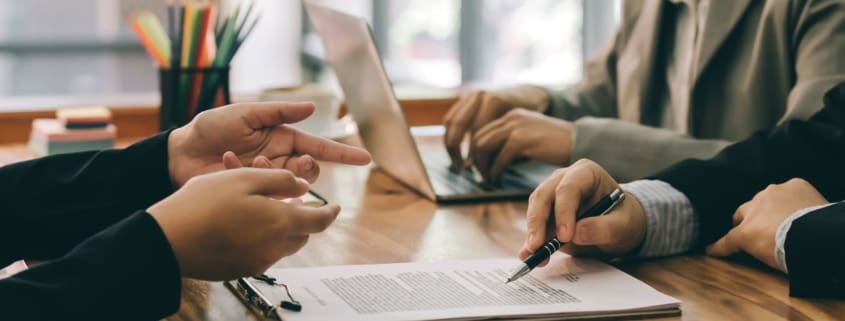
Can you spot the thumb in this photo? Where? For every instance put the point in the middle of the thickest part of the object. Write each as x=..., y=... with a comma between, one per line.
x=271, y=114
x=271, y=182
x=725, y=246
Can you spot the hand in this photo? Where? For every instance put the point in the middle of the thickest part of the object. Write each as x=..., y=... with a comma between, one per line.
x=231, y=161
x=574, y=189
x=476, y=109
x=756, y=222
x=250, y=130
x=222, y=226
x=521, y=133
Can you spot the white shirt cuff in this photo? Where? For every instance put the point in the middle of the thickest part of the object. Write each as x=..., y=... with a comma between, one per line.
x=671, y=224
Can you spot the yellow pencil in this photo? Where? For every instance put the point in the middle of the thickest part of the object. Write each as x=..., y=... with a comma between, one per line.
x=187, y=39
x=156, y=31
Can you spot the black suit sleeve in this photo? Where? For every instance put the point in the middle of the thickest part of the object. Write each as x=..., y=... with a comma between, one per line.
x=51, y=204
x=75, y=211
x=815, y=253
x=813, y=150
x=125, y=272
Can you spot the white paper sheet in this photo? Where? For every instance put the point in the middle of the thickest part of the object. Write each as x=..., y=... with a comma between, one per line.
x=468, y=290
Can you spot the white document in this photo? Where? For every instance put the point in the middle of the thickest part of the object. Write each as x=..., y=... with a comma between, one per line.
x=469, y=290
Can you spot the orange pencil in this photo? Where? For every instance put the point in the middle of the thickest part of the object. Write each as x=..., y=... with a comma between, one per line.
x=201, y=36
x=210, y=45
x=147, y=42
x=200, y=52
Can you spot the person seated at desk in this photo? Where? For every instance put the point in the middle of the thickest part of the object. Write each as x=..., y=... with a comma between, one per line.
x=777, y=196
x=118, y=229
x=680, y=79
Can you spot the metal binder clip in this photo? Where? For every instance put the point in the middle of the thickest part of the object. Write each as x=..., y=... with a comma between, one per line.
x=255, y=298
x=290, y=304
x=259, y=301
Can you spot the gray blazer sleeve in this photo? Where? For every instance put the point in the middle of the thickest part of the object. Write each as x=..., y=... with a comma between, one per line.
x=629, y=151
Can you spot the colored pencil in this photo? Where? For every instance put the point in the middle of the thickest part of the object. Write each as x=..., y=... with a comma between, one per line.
x=171, y=31
x=198, y=44
x=148, y=42
x=159, y=37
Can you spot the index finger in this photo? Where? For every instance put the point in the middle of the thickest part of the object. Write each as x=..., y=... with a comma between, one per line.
x=578, y=184
x=457, y=123
x=259, y=115
x=539, y=210
x=725, y=246
x=328, y=150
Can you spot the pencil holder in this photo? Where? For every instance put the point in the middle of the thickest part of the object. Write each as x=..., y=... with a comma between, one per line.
x=186, y=92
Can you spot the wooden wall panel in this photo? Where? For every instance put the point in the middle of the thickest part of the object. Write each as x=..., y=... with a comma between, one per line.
x=133, y=122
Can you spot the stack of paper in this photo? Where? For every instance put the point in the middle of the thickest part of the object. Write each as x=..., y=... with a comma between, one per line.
x=84, y=118
x=567, y=288
x=74, y=130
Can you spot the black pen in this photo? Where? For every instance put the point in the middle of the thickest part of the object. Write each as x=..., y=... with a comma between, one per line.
x=604, y=205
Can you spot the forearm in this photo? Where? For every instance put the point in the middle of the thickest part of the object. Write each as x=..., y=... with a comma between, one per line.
x=810, y=150
x=53, y=203
x=126, y=272
x=629, y=151
x=809, y=245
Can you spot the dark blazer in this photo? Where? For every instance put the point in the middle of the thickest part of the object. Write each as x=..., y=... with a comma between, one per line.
x=813, y=150
x=82, y=215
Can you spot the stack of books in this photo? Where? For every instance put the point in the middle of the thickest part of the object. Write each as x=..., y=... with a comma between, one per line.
x=73, y=130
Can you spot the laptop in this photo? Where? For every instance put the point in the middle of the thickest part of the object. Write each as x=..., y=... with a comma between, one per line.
x=352, y=53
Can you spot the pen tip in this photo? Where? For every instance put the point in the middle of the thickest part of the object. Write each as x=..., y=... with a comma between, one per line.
x=508, y=281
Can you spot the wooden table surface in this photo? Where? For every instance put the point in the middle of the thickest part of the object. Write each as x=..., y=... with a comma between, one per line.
x=382, y=222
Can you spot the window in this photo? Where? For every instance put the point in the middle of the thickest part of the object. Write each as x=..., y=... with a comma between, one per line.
x=446, y=43
x=85, y=47
x=421, y=39
x=536, y=41
x=70, y=47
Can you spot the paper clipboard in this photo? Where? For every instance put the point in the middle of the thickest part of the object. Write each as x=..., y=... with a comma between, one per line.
x=265, y=297
x=264, y=303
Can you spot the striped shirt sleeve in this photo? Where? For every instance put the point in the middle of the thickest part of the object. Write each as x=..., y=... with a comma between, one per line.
x=671, y=224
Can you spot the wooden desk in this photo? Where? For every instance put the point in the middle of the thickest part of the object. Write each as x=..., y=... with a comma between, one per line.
x=382, y=222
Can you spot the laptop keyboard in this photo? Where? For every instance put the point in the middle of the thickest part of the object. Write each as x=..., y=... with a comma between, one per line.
x=437, y=163
x=468, y=180
x=465, y=181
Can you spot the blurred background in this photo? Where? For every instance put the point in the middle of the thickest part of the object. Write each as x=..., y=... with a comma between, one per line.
x=85, y=48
